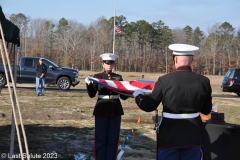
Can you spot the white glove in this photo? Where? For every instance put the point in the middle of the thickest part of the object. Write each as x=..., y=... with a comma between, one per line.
x=137, y=92
x=87, y=80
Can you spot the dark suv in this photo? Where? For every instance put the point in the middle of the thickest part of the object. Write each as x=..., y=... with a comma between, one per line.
x=231, y=81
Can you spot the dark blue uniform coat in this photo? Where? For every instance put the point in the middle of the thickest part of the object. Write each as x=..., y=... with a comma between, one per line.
x=107, y=118
x=182, y=91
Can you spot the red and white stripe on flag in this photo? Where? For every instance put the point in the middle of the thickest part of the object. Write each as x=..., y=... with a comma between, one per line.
x=125, y=87
x=117, y=28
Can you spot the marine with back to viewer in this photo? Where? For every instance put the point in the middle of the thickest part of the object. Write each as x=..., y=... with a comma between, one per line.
x=183, y=94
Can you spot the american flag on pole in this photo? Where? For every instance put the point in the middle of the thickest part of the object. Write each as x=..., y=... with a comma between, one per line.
x=125, y=87
x=117, y=28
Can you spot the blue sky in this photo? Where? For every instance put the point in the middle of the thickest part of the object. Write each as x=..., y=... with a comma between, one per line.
x=174, y=13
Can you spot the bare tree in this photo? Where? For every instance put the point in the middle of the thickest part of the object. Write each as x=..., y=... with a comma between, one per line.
x=76, y=38
x=212, y=44
x=178, y=35
x=22, y=22
x=226, y=32
x=236, y=46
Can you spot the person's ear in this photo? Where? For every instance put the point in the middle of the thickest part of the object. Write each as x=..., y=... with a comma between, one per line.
x=173, y=58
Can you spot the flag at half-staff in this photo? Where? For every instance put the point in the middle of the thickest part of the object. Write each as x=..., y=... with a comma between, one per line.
x=118, y=28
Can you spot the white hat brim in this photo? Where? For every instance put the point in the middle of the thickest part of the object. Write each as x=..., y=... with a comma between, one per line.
x=183, y=49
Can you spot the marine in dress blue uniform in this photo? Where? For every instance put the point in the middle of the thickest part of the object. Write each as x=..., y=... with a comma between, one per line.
x=107, y=111
x=183, y=94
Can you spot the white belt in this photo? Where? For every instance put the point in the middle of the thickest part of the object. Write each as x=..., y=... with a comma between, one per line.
x=180, y=116
x=108, y=96
x=176, y=116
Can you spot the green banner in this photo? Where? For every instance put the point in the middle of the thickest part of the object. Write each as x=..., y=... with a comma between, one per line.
x=10, y=30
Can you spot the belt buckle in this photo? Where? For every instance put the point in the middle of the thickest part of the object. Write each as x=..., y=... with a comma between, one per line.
x=111, y=96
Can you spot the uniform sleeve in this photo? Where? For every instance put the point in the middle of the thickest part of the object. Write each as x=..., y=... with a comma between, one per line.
x=207, y=107
x=123, y=97
x=150, y=102
x=92, y=89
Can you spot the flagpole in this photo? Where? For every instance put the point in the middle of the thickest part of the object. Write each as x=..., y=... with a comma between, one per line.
x=114, y=24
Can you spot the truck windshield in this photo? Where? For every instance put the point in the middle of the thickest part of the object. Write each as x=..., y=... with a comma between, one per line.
x=48, y=63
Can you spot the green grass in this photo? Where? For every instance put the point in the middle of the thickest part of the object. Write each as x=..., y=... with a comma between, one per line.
x=77, y=128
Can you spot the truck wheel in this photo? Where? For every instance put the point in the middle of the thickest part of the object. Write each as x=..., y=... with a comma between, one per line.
x=64, y=83
x=238, y=94
x=2, y=80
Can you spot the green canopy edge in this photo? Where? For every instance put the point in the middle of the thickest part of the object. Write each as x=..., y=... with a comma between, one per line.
x=10, y=30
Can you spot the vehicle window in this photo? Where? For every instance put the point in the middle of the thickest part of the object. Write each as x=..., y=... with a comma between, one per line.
x=231, y=74
x=228, y=73
x=237, y=73
x=51, y=63
x=35, y=62
x=28, y=63
x=47, y=63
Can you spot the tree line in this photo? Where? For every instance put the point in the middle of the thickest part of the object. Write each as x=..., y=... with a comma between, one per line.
x=141, y=47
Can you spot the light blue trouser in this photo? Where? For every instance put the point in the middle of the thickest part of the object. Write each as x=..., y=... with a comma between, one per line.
x=40, y=81
x=191, y=153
